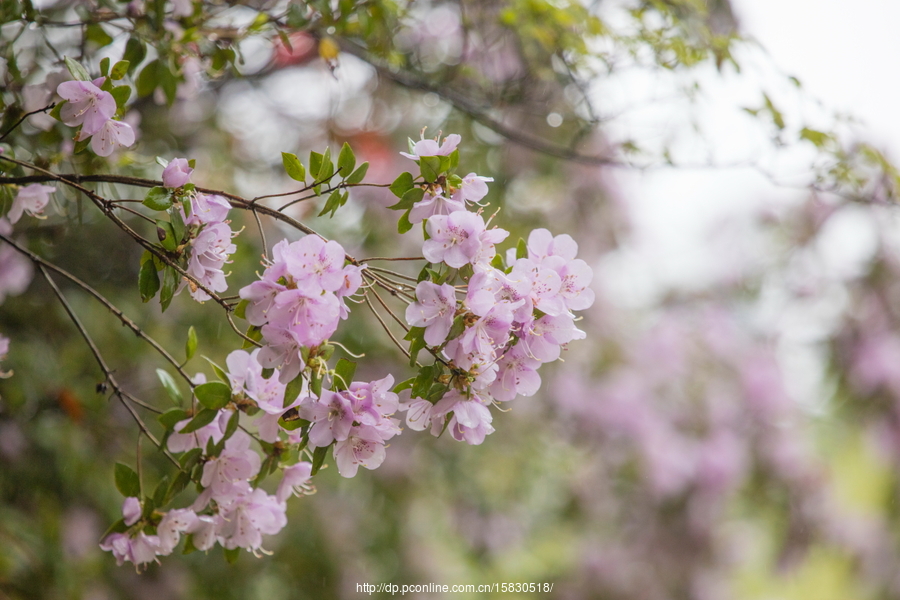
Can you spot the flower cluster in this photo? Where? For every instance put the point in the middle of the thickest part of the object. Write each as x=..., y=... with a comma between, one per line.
x=515, y=316
x=210, y=234
x=299, y=300
x=93, y=109
x=356, y=421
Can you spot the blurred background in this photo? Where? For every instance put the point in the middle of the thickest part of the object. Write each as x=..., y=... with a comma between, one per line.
x=730, y=428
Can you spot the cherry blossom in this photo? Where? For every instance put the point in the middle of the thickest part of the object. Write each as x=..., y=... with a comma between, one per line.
x=86, y=105
x=31, y=200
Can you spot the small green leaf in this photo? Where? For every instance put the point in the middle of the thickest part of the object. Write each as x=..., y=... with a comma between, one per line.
x=134, y=52
x=332, y=204
x=291, y=420
x=404, y=385
x=161, y=492
x=521, y=249
x=346, y=160
x=293, y=167
x=268, y=372
x=119, y=70
x=121, y=94
x=454, y=160
x=170, y=387
x=56, y=110
x=402, y=184
x=416, y=337
x=77, y=71
x=423, y=382
x=233, y=422
x=98, y=35
x=167, y=81
x=127, y=481
x=818, y=138
x=498, y=263
x=190, y=347
x=148, y=79
x=104, y=66
x=315, y=162
x=158, y=198
x=148, y=281
x=117, y=527
x=343, y=374
x=181, y=481
x=189, y=459
x=319, y=455
x=240, y=311
x=201, y=419
x=172, y=417
x=403, y=225
x=431, y=167
x=170, y=283
x=219, y=371
x=178, y=226
x=459, y=325
x=166, y=235
x=292, y=390
x=409, y=198
x=214, y=395
x=359, y=174
x=315, y=384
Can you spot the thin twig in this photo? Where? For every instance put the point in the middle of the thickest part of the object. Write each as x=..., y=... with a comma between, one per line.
x=25, y=116
x=384, y=325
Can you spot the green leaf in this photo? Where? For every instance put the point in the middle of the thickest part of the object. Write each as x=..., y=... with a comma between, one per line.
x=158, y=198
x=170, y=283
x=166, y=235
x=315, y=383
x=359, y=174
x=326, y=169
x=214, y=395
x=521, y=249
x=190, y=347
x=343, y=374
x=233, y=422
x=402, y=184
x=291, y=420
x=161, y=492
x=201, y=419
x=119, y=70
x=332, y=204
x=431, y=167
x=148, y=79
x=403, y=225
x=404, y=385
x=315, y=162
x=319, y=455
x=409, y=198
x=498, y=262
x=172, y=417
x=121, y=94
x=56, y=110
x=77, y=71
x=167, y=81
x=189, y=459
x=240, y=311
x=459, y=325
x=181, y=481
x=178, y=226
x=104, y=66
x=219, y=371
x=423, y=382
x=98, y=35
x=292, y=390
x=148, y=281
x=117, y=527
x=189, y=546
x=134, y=52
x=416, y=337
x=346, y=160
x=293, y=167
x=268, y=372
x=454, y=160
x=818, y=138
x=232, y=555
x=170, y=387
x=127, y=481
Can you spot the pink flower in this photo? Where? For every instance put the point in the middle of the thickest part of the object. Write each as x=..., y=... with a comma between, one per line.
x=431, y=205
x=456, y=239
x=110, y=136
x=474, y=188
x=210, y=251
x=86, y=105
x=173, y=524
x=30, y=199
x=331, y=415
x=248, y=517
x=362, y=447
x=431, y=147
x=131, y=510
x=208, y=208
x=294, y=481
x=434, y=309
x=141, y=549
x=177, y=173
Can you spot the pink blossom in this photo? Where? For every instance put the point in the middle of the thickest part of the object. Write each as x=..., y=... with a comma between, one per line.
x=431, y=205
x=131, y=510
x=30, y=199
x=364, y=446
x=473, y=188
x=86, y=105
x=471, y=420
x=173, y=524
x=210, y=251
x=140, y=550
x=177, y=173
x=282, y=350
x=542, y=244
x=454, y=238
x=431, y=147
x=110, y=136
x=434, y=309
x=236, y=463
x=182, y=442
x=544, y=338
x=208, y=208
x=517, y=374
x=331, y=415
x=313, y=260
x=248, y=517
x=294, y=481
